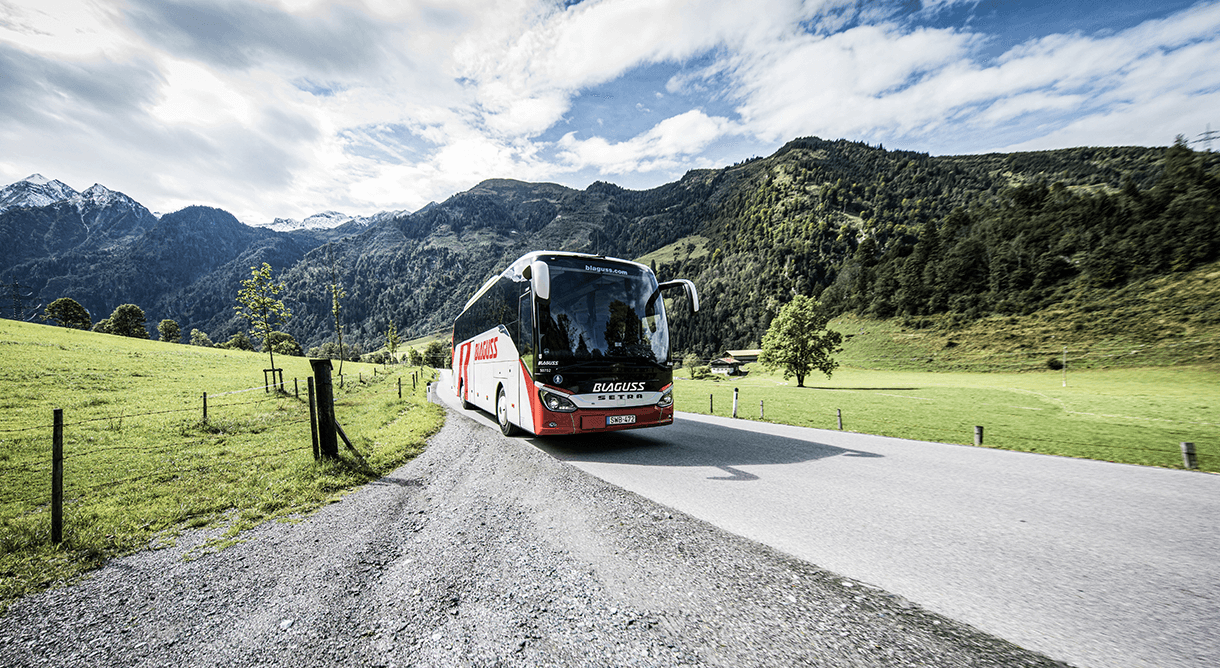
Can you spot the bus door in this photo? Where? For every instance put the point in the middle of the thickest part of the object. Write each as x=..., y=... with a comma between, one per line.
x=525, y=350
x=464, y=371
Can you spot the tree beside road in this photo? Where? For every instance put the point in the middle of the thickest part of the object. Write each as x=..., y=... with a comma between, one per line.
x=798, y=341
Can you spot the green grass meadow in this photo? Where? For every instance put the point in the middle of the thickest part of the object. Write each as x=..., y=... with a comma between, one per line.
x=141, y=463
x=1130, y=415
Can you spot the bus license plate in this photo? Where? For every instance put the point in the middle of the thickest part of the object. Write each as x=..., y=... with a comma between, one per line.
x=620, y=419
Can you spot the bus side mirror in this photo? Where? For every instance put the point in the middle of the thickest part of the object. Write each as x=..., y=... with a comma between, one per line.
x=539, y=275
x=682, y=283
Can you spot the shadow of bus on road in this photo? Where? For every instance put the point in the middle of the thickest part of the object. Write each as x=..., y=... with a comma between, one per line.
x=693, y=444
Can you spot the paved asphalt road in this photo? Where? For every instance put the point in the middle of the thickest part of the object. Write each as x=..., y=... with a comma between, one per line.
x=1092, y=563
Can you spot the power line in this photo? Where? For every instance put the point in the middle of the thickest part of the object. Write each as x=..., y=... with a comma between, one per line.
x=1207, y=137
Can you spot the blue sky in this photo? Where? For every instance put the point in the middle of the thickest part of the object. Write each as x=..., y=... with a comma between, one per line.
x=285, y=108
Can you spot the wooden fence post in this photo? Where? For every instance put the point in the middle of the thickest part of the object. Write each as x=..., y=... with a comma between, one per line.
x=711, y=403
x=57, y=476
x=840, y=412
x=328, y=443
x=313, y=416
x=205, y=406
x=296, y=391
x=400, y=387
x=1189, y=459
x=760, y=410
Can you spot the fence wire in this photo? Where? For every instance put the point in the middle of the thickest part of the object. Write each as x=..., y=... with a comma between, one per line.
x=171, y=445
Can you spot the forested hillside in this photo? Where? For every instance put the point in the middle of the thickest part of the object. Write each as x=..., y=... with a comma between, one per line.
x=898, y=234
x=885, y=234
x=880, y=233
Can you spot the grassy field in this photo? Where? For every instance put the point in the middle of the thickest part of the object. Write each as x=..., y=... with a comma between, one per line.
x=141, y=463
x=1142, y=375
x=1136, y=416
x=694, y=246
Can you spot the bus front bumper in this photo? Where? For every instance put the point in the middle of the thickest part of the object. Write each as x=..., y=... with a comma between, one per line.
x=586, y=420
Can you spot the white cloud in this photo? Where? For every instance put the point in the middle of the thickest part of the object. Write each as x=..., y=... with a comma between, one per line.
x=894, y=81
x=65, y=28
x=665, y=146
x=839, y=85
x=287, y=107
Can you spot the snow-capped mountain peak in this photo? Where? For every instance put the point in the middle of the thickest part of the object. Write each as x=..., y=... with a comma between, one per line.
x=100, y=195
x=33, y=191
x=326, y=220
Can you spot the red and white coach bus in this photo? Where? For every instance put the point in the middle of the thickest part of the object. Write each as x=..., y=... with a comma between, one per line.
x=567, y=343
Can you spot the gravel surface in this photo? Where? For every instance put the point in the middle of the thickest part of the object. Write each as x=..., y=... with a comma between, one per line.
x=484, y=551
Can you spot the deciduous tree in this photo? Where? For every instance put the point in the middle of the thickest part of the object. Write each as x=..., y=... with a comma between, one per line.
x=284, y=344
x=261, y=306
x=170, y=331
x=391, y=341
x=128, y=320
x=798, y=341
x=200, y=338
x=238, y=341
x=435, y=354
x=67, y=312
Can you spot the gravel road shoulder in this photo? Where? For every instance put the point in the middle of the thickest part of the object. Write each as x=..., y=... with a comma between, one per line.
x=483, y=551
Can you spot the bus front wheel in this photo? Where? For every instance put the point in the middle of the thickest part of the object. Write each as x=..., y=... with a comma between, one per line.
x=507, y=428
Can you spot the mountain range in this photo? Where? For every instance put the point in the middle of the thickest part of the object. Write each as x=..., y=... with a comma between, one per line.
x=865, y=229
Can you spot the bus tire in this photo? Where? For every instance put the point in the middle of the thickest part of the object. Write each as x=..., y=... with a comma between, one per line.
x=466, y=405
x=507, y=428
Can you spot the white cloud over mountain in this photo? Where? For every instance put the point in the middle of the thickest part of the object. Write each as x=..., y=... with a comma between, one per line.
x=283, y=109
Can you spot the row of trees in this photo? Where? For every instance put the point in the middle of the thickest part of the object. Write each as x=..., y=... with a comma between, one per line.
x=125, y=320
x=129, y=320
x=259, y=303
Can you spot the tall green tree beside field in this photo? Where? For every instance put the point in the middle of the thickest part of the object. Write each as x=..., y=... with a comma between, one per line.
x=392, y=341
x=127, y=320
x=435, y=354
x=200, y=338
x=170, y=331
x=261, y=306
x=238, y=341
x=67, y=312
x=284, y=344
x=798, y=342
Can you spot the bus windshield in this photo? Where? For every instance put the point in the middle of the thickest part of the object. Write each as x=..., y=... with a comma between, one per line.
x=601, y=310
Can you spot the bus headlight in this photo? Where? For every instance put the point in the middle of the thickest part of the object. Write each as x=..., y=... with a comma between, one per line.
x=556, y=402
x=667, y=398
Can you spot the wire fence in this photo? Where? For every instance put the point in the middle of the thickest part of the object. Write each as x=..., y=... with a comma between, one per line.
x=1042, y=357
x=101, y=468
x=1004, y=431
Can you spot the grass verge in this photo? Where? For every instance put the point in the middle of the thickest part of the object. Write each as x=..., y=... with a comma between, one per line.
x=1134, y=416
x=141, y=463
